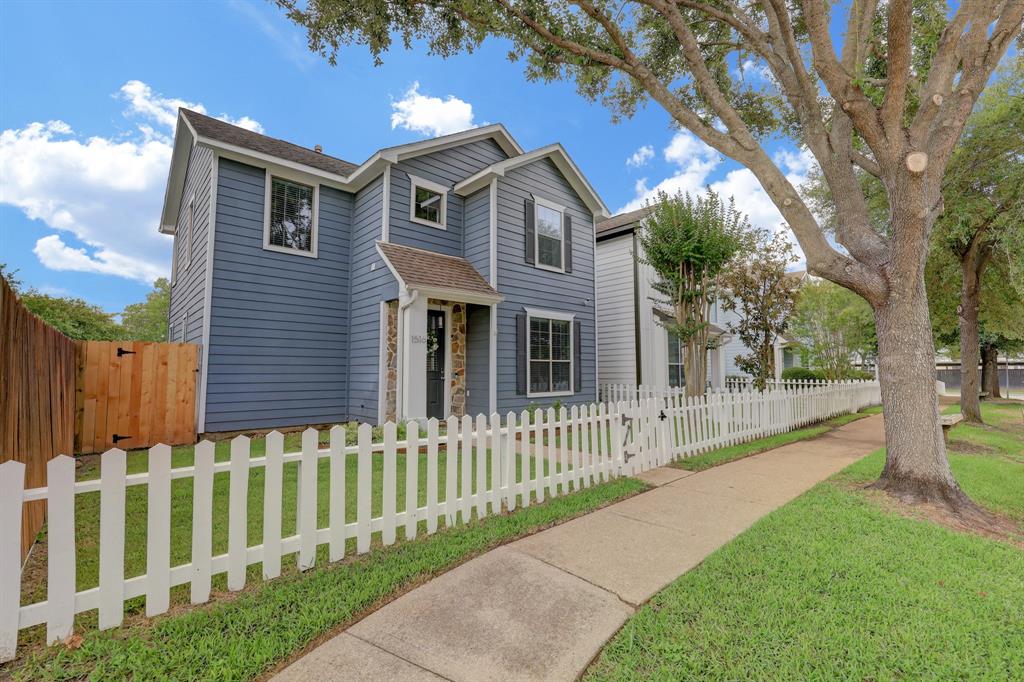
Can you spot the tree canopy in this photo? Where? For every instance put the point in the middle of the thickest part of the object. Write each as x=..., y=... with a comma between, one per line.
x=147, y=321
x=688, y=242
x=834, y=325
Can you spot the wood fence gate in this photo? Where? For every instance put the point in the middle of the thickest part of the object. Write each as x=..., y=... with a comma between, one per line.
x=134, y=394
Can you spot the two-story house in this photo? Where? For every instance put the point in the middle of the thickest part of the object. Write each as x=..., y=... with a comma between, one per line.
x=634, y=347
x=444, y=277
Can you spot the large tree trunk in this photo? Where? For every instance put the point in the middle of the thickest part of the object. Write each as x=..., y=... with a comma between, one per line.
x=970, y=352
x=990, y=370
x=916, y=468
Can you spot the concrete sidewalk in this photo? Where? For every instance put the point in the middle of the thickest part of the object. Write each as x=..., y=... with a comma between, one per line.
x=541, y=608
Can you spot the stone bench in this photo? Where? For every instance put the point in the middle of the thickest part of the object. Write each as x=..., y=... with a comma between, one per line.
x=948, y=421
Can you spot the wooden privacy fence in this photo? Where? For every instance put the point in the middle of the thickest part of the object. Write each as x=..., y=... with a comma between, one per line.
x=37, y=400
x=135, y=394
x=474, y=468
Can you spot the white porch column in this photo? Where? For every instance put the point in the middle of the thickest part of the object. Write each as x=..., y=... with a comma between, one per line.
x=413, y=348
x=778, y=361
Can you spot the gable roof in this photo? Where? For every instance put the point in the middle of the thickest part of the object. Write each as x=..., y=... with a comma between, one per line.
x=221, y=131
x=437, y=275
x=623, y=223
x=195, y=128
x=556, y=152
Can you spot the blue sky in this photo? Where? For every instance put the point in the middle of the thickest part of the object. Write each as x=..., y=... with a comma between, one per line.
x=86, y=92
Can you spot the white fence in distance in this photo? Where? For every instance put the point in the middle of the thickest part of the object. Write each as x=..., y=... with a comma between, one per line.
x=487, y=470
x=614, y=393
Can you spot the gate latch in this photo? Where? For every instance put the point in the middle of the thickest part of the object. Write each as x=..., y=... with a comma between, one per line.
x=662, y=416
x=628, y=431
x=117, y=437
x=122, y=351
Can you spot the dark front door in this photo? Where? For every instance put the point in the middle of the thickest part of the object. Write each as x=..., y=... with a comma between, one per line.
x=435, y=364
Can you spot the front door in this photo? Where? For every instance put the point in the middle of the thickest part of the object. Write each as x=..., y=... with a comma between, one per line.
x=436, y=338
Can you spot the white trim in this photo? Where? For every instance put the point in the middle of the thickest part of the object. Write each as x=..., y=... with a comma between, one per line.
x=593, y=244
x=382, y=362
x=552, y=315
x=556, y=152
x=494, y=234
x=211, y=222
x=547, y=203
x=385, y=208
x=492, y=366
x=314, y=237
x=190, y=231
x=417, y=182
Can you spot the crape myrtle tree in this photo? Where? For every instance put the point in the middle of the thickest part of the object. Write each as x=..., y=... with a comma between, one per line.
x=878, y=100
x=688, y=242
x=763, y=295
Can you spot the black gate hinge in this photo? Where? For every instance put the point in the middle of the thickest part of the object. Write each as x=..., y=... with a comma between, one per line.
x=117, y=437
x=122, y=351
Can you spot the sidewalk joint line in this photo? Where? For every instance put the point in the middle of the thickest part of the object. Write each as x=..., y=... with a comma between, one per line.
x=392, y=653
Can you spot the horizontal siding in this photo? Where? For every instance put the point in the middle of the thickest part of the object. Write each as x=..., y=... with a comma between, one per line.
x=446, y=167
x=524, y=285
x=372, y=283
x=188, y=293
x=478, y=332
x=478, y=231
x=616, y=315
x=279, y=322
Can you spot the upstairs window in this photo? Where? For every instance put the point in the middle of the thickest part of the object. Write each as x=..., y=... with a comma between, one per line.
x=550, y=356
x=291, y=221
x=549, y=237
x=428, y=202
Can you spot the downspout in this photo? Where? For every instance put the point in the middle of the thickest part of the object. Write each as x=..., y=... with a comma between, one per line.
x=405, y=299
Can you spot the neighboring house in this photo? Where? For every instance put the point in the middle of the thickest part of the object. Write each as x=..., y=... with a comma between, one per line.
x=444, y=277
x=633, y=346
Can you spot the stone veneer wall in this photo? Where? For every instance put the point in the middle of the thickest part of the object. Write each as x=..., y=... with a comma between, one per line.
x=458, y=359
x=391, y=348
x=458, y=373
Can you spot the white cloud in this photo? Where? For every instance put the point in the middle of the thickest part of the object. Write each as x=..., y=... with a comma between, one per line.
x=641, y=156
x=142, y=101
x=105, y=191
x=695, y=163
x=431, y=115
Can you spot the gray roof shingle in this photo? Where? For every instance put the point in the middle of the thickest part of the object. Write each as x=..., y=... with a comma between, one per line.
x=207, y=126
x=421, y=268
x=621, y=223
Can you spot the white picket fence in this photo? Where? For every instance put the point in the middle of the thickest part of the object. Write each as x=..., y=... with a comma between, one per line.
x=581, y=446
x=614, y=393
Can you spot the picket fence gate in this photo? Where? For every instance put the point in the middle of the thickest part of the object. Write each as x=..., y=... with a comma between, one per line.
x=582, y=446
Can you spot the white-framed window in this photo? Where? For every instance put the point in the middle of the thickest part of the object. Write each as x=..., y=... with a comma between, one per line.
x=549, y=222
x=290, y=216
x=190, y=218
x=550, y=353
x=428, y=203
x=676, y=376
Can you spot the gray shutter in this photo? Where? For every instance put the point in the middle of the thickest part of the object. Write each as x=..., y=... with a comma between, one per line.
x=522, y=347
x=567, y=242
x=577, y=356
x=528, y=217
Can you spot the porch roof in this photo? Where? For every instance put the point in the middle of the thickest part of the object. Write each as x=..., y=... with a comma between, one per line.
x=437, y=275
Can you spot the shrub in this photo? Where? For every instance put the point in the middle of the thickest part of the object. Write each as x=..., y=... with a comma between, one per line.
x=799, y=374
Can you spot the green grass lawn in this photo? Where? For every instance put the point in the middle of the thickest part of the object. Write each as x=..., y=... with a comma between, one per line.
x=706, y=460
x=240, y=637
x=835, y=586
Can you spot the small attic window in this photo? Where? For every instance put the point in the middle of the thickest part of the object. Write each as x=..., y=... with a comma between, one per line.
x=428, y=200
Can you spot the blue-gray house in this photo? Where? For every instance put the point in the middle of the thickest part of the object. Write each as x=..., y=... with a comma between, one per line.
x=449, y=276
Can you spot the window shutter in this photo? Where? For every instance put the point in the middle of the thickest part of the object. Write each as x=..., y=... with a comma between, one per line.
x=522, y=348
x=528, y=217
x=567, y=242
x=577, y=356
